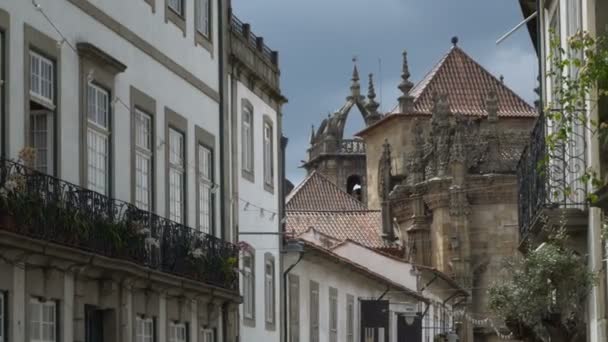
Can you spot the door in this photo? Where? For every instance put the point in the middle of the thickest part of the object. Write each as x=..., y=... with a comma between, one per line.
x=374, y=320
x=93, y=324
x=409, y=329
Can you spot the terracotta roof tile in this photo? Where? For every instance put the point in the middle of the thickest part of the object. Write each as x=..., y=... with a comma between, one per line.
x=467, y=84
x=360, y=226
x=317, y=193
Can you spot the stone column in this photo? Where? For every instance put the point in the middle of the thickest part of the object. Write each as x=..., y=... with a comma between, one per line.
x=67, y=310
x=18, y=304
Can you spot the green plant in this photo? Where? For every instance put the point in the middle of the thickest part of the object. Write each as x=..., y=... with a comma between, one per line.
x=579, y=78
x=543, y=298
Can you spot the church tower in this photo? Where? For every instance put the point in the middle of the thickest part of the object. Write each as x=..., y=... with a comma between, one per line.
x=343, y=161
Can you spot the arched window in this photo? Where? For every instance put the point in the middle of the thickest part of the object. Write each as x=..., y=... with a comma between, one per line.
x=354, y=186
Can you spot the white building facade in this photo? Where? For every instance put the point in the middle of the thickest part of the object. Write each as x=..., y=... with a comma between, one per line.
x=124, y=231
x=326, y=298
x=561, y=19
x=257, y=172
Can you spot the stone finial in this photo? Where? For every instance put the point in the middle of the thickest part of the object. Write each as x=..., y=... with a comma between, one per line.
x=311, y=140
x=355, y=87
x=458, y=149
x=455, y=40
x=372, y=105
x=492, y=106
x=406, y=101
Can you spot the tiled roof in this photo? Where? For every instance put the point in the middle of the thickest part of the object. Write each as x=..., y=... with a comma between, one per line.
x=317, y=193
x=467, y=84
x=363, y=226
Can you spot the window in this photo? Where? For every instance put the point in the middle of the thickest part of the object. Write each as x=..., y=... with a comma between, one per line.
x=98, y=105
x=42, y=96
x=41, y=139
x=2, y=317
x=145, y=329
x=42, y=79
x=294, y=308
x=269, y=307
x=178, y=332
x=143, y=160
x=177, y=6
x=333, y=315
x=248, y=286
x=203, y=24
x=314, y=311
x=574, y=25
x=247, y=140
x=268, y=155
x=205, y=185
x=176, y=176
x=42, y=321
x=350, y=318
x=208, y=335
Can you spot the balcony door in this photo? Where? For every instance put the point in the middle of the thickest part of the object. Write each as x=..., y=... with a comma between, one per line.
x=93, y=324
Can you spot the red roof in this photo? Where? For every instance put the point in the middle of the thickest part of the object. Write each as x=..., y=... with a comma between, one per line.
x=361, y=226
x=317, y=193
x=318, y=203
x=467, y=84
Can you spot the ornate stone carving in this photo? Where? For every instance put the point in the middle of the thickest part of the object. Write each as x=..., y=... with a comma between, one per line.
x=459, y=203
x=384, y=172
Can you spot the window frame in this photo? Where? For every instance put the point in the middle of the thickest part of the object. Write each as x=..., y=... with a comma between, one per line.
x=178, y=123
x=177, y=168
x=205, y=185
x=247, y=141
x=142, y=337
x=350, y=318
x=38, y=43
x=333, y=314
x=48, y=117
x=268, y=144
x=205, y=332
x=96, y=129
x=314, y=320
x=55, y=324
x=176, y=17
x=269, y=291
x=202, y=38
x=145, y=154
x=249, y=289
x=294, y=313
x=41, y=99
x=174, y=326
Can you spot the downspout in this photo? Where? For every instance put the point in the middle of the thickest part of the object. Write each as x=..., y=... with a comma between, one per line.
x=285, y=274
x=222, y=114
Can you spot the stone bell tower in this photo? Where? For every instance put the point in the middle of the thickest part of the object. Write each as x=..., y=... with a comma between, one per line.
x=343, y=161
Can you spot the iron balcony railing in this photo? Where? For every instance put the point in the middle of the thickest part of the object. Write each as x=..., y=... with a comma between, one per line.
x=550, y=178
x=47, y=208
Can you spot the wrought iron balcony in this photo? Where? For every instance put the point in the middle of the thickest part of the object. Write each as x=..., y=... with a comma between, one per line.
x=549, y=180
x=47, y=208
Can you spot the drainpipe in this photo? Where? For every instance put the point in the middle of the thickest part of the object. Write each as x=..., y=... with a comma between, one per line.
x=222, y=114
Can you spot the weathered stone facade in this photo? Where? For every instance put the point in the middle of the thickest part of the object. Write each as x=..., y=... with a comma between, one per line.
x=452, y=181
x=343, y=160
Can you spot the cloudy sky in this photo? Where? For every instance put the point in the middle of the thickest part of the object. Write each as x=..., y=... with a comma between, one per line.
x=317, y=40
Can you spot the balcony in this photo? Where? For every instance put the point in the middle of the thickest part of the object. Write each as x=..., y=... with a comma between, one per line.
x=333, y=147
x=42, y=207
x=549, y=183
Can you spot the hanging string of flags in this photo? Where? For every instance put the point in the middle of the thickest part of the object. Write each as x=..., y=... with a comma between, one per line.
x=486, y=322
x=248, y=205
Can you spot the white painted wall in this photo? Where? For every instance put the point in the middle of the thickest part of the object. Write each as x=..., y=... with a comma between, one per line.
x=328, y=273
x=143, y=72
x=252, y=220
x=400, y=272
